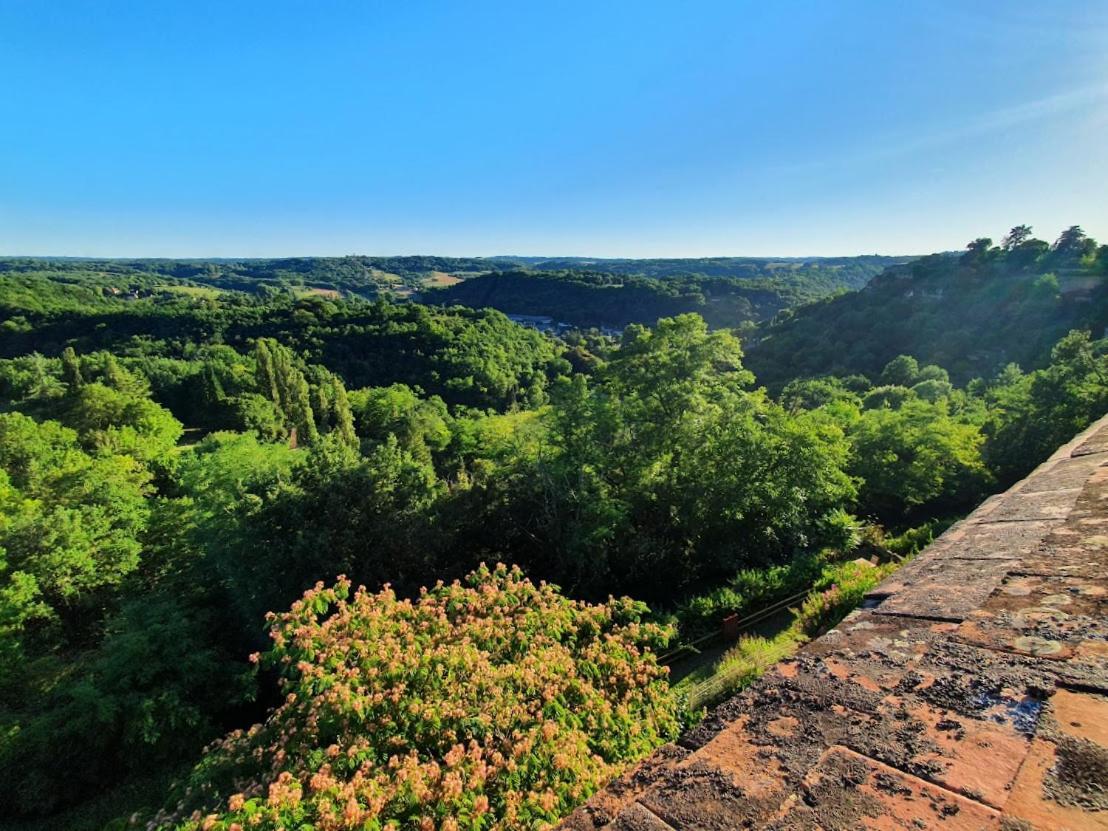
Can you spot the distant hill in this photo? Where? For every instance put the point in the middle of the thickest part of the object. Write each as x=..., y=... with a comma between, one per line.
x=586, y=299
x=772, y=283
x=727, y=292
x=970, y=313
x=823, y=272
x=364, y=276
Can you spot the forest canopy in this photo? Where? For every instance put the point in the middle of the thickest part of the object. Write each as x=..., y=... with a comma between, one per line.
x=972, y=313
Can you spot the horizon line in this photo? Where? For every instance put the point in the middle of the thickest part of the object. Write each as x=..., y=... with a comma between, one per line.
x=205, y=258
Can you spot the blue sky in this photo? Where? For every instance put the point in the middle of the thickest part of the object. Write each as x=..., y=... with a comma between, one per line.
x=593, y=128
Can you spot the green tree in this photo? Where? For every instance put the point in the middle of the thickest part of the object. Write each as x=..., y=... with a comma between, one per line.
x=321, y=397
x=932, y=389
x=336, y=512
x=265, y=372
x=1031, y=415
x=901, y=371
x=119, y=379
x=812, y=393
x=299, y=407
x=670, y=470
x=111, y=421
x=978, y=252
x=1072, y=246
x=343, y=416
x=1016, y=237
x=421, y=426
x=890, y=396
x=75, y=519
x=258, y=415
x=278, y=374
x=915, y=455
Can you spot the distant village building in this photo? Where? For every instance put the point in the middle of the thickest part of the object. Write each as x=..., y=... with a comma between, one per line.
x=532, y=320
x=545, y=323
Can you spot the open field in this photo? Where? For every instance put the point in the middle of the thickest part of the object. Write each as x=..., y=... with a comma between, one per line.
x=441, y=278
x=204, y=292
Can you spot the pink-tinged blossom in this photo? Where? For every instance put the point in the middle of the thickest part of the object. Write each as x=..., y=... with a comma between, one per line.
x=492, y=698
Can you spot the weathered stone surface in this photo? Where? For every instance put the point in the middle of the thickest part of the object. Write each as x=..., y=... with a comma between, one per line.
x=637, y=818
x=754, y=768
x=993, y=541
x=1061, y=474
x=702, y=797
x=1097, y=443
x=1067, y=553
x=1083, y=715
x=941, y=588
x=863, y=631
x=1034, y=505
x=1060, y=619
x=848, y=791
x=1038, y=801
x=966, y=694
x=899, y=716
x=1093, y=501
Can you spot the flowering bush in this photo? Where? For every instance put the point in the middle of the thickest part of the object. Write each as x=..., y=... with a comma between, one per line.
x=489, y=704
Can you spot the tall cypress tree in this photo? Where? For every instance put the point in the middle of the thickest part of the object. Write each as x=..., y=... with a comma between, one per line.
x=283, y=379
x=264, y=370
x=71, y=370
x=322, y=399
x=212, y=388
x=118, y=378
x=287, y=387
x=301, y=409
x=343, y=415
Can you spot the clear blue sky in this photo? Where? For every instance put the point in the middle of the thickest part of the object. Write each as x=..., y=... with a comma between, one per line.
x=239, y=128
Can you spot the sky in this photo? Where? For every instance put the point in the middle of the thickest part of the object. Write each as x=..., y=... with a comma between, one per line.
x=599, y=128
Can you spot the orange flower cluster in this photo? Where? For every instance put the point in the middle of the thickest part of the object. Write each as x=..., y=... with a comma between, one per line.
x=492, y=703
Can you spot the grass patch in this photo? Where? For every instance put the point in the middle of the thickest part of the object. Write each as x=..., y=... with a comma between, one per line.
x=740, y=666
x=316, y=291
x=199, y=292
x=748, y=591
x=916, y=539
x=839, y=589
x=440, y=279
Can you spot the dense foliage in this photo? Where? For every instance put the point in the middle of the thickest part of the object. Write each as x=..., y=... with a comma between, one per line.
x=476, y=358
x=668, y=469
x=971, y=314
x=356, y=275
